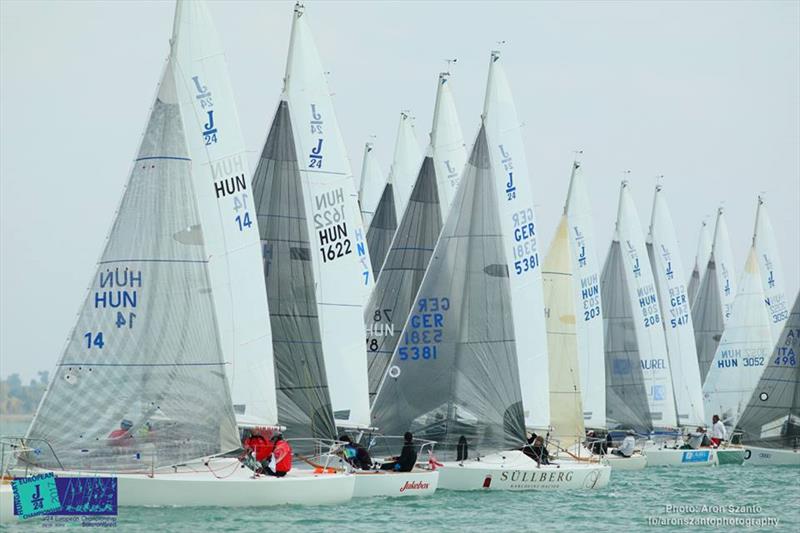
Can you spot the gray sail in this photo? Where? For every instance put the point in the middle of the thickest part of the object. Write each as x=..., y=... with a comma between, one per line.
x=455, y=370
x=381, y=229
x=408, y=257
x=304, y=404
x=707, y=318
x=772, y=418
x=626, y=396
x=142, y=382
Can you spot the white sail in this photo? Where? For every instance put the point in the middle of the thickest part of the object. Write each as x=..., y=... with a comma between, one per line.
x=340, y=257
x=447, y=144
x=646, y=313
x=772, y=280
x=413, y=242
x=405, y=162
x=700, y=262
x=230, y=232
x=665, y=259
x=743, y=351
x=712, y=305
x=566, y=409
x=588, y=302
x=520, y=235
x=372, y=183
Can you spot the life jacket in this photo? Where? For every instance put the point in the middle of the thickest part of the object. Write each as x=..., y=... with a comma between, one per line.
x=283, y=456
x=261, y=448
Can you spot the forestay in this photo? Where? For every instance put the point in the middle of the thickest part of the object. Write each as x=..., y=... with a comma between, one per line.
x=743, y=351
x=646, y=329
x=588, y=301
x=339, y=253
x=372, y=183
x=712, y=306
x=772, y=417
x=145, y=356
x=700, y=262
x=665, y=259
x=772, y=280
x=222, y=181
x=566, y=410
x=413, y=242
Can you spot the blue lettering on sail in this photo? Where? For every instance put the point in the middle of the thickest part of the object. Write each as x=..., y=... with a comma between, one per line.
x=508, y=166
x=203, y=95
x=424, y=330
x=525, y=253
x=316, y=122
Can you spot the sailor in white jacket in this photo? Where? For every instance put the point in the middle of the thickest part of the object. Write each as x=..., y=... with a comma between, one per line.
x=718, y=431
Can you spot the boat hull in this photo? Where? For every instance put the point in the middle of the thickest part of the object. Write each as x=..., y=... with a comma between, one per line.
x=513, y=471
x=756, y=456
x=730, y=456
x=676, y=457
x=635, y=462
x=415, y=483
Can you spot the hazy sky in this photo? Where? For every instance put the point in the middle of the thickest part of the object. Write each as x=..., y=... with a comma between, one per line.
x=707, y=94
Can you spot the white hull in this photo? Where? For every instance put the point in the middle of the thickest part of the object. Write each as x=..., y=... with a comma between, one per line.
x=756, y=456
x=514, y=471
x=6, y=503
x=230, y=486
x=635, y=462
x=381, y=483
x=677, y=457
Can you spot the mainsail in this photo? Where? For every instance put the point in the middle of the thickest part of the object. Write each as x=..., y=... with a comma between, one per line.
x=700, y=262
x=588, y=301
x=305, y=146
x=712, y=305
x=772, y=280
x=372, y=182
x=772, y=417
x=222, y=178
x=456, y=371
x=743, y=351
x=141, y=383
x=637, y=368
x=665, y=259
x=566, y=410
x=413, y=242
x=395, y=195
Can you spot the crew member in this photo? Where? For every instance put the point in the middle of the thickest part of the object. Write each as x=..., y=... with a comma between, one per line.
x=628, y=444
x=281, y=457
x=718, y=431
x=407, y=459
x=355, y=454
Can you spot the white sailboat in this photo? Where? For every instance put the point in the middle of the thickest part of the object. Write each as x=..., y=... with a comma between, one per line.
x=665, y=259
x=413, y=242
x=770, y=424
x=700, y=262
x=743, y=351
x=396, y=192
x=372, y=183
x=712, y=306
x=456, y=375
x=141, y=391
x=320, y=357
x=772, y=279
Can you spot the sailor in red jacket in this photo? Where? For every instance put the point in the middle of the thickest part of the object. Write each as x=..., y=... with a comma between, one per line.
x=258, y=451
x=281, y=457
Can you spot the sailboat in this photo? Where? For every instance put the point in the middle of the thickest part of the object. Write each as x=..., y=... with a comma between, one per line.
x=413, y=241
x=372, y=183
x=455, y=376
x=700, y=262
x=396, y=192
x=571, y=278
x=770, y=423
x=743, y=350
x=712, y=306
x=665, y=260
x=772, y=280
x=319, y=353
x=141, y=391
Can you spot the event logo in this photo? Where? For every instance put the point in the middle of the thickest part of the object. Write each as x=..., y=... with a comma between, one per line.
x=86, y=497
